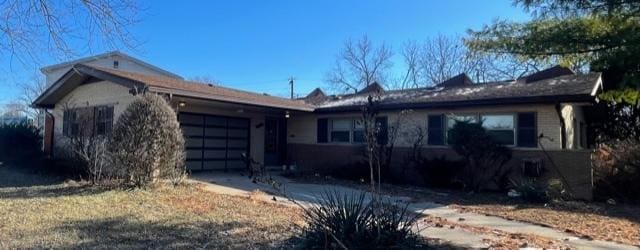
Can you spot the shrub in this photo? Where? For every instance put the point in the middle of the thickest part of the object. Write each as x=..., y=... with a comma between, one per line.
x=147, y=142
x=20, y=142
x=535, y=191
x=531, y=191
x=349, y=219
x=617, y=170
x=88, y=156
x=485, y=158
x=439, y=172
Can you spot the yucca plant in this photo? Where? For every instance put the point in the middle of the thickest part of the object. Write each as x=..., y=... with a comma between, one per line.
x=347, y=220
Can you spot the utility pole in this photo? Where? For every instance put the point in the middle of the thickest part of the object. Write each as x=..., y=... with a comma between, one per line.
x=291, y=79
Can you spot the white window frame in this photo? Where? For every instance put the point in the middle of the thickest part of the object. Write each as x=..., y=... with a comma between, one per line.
x=351, y=130
x=348, y=129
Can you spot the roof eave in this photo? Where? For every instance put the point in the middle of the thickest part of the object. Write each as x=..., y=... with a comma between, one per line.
x=485, y=102
x=193, y=94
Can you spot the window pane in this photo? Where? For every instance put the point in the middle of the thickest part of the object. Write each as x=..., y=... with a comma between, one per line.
x=341, y=124
x=527, y=135
x=358, y=124
x=435, y=135
x=358, y=136
x=340, y=136
x=504, y=137
x=451, y=119
x=527, y=138
x=497, y=122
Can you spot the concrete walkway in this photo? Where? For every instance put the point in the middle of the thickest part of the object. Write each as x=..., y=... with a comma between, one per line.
x=306, y=194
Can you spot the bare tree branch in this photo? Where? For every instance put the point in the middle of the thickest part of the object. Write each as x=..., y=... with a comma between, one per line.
x=31, y=28
x=359, y=64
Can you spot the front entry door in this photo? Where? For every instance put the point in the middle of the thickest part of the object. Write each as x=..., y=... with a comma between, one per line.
x=275, y=141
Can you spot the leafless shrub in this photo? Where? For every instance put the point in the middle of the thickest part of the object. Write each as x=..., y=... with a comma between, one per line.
x=86, y=151
x=147, y=143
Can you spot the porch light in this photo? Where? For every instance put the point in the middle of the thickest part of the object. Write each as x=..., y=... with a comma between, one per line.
x=286, y=114
x=182, y=104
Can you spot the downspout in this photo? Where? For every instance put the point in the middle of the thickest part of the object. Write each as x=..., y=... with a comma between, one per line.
x=53, y=128
x=563, y=127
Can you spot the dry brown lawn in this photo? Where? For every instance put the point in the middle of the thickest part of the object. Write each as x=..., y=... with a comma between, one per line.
x=80, y=216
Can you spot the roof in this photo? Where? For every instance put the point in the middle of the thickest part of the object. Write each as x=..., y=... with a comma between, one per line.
x=107, y=55
x=456, y=81
x=565, y=88
x=547, y=73
x=164, y=84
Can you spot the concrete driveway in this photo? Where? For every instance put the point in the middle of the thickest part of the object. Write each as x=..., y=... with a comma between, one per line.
x=304, y=193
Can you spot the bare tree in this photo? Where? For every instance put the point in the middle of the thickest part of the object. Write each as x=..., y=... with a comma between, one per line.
x=30, y=27
x=30, y=91
x=359, y=64
x=13, y=109
x=411, y=56
x=443, y=57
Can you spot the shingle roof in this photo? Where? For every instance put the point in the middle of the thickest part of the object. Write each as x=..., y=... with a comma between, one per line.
x=205, y=91
x=561, y=88
x=565, y=88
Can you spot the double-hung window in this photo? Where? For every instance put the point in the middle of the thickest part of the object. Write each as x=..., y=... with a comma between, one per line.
x=103, y=116
x=87, y=121
x=358, y=131
x=500, y=127
x=349, y=130
x=71, y=122
x=341, y=130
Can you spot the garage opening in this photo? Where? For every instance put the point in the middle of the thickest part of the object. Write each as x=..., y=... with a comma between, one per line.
x=214, y=142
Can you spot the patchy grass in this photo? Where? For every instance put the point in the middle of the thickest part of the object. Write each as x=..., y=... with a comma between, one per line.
x=77, y=216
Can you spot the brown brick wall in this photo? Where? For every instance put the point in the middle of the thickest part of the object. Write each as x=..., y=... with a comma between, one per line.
x=573, y=165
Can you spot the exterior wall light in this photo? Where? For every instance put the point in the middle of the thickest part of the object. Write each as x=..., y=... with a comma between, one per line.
x=182, y=104
x=286, y=114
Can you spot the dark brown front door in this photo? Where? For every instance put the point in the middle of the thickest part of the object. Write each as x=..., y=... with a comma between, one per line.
x=275, y=141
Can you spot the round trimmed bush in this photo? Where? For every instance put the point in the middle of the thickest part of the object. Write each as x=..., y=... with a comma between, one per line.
x=147, y=142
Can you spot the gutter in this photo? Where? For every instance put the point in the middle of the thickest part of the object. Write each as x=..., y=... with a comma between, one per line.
x=53, y=128
x=208, y=97
x=563, y=126
x=465, y=103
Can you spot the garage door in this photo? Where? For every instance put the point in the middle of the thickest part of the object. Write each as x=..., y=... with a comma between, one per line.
x=214, y=142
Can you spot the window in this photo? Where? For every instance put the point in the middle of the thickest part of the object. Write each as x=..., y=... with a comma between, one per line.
x=452, y=119
x=116, y=64
x=527, y=134
x=91, y=120
x=435, y=130
x=351, y=130
x=70, y=123
x=500, y=127
x=341, y=130
x=103, y=120
x=583, y=135
x=358, y=131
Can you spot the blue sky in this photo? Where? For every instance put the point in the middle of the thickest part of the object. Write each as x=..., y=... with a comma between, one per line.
x=257, y=45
